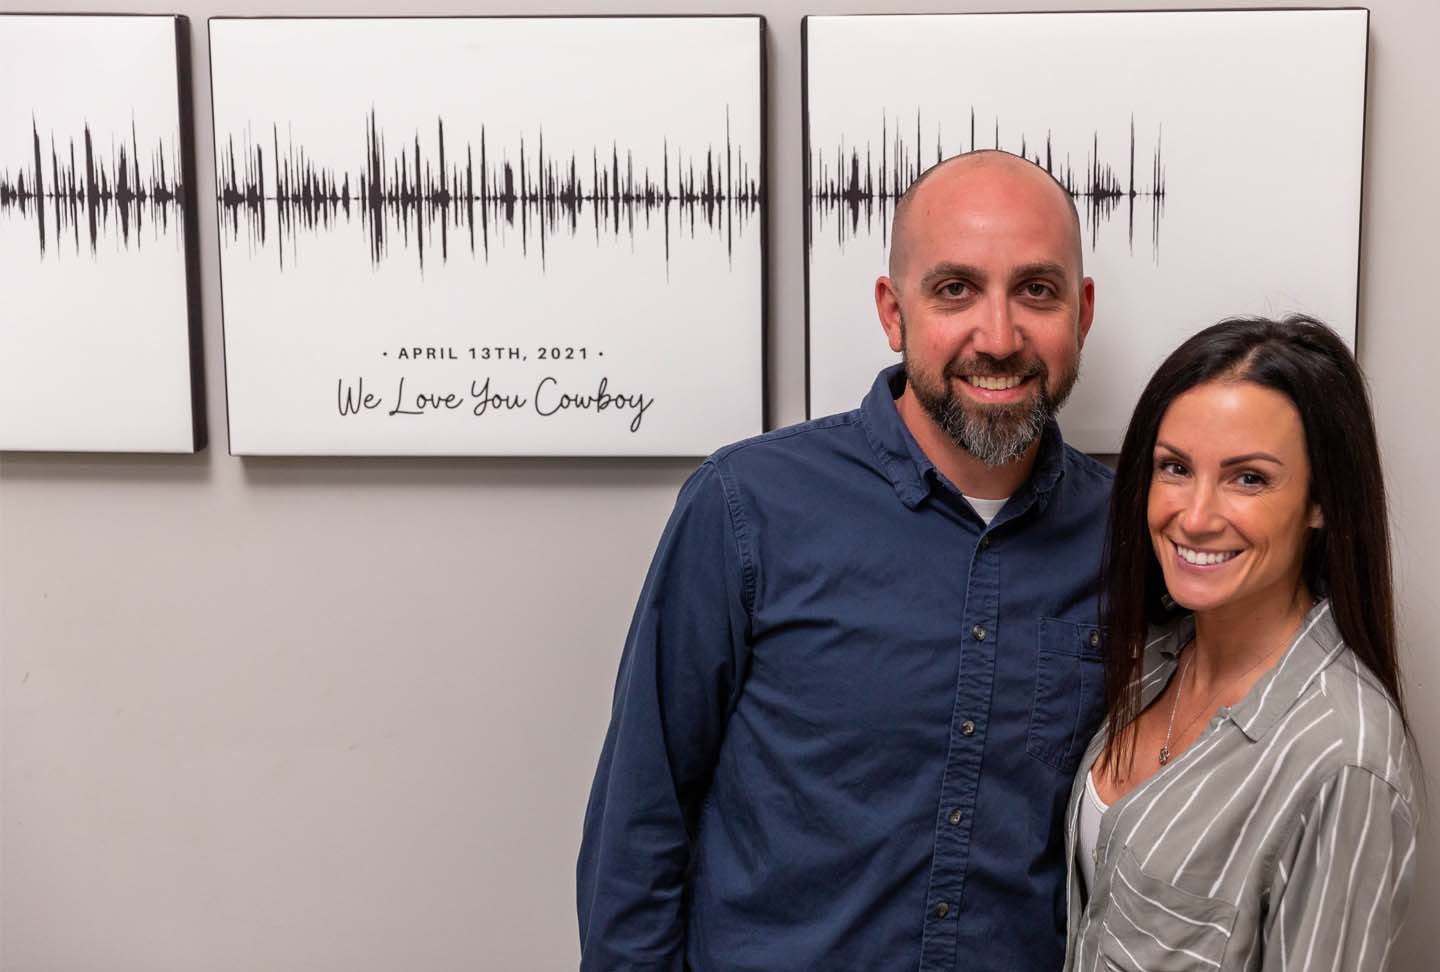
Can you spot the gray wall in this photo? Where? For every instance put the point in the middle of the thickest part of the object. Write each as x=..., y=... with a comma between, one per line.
x=278, y=714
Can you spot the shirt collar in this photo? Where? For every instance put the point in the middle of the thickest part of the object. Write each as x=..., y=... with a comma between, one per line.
x=913, y=474
x=1313, y=648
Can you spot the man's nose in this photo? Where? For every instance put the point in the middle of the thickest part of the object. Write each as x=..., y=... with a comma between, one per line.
x=995, y=332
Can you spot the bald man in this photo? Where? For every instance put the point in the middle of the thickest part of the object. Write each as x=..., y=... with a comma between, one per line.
x=865, y=661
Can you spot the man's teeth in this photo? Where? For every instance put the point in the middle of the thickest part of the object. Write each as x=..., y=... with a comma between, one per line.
x=1201, y=558
x=994, y=384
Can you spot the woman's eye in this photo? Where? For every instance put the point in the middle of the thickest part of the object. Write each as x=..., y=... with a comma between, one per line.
x=1251, y=480
x=1169, y=467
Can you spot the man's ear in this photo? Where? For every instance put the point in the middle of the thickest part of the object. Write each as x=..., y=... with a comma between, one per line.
x=887, y=305
x=1087, y=310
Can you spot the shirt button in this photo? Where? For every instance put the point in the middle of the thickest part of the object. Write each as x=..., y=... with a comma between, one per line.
x=985, y=542
x=942, y=909
x=979, y=632
x=1094, y=639
x=955, y=816
x=967, y=728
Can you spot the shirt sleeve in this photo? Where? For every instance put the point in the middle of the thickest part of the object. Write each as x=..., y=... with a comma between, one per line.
x=1345, y=883
x=679, y=678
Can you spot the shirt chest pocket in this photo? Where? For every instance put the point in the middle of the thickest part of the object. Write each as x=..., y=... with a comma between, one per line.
x=1069, y=693
x=1149, y=925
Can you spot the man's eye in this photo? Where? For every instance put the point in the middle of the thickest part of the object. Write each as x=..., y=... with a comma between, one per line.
x=955, y=288
x=1039, y=290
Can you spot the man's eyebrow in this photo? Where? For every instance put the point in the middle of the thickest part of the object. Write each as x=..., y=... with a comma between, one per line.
x=1044, y=268
x=944, y=271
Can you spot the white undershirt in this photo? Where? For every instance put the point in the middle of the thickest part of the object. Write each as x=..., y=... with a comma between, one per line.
x=987, y=508
x=1092, y=808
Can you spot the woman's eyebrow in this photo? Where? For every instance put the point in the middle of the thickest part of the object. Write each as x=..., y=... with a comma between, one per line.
x=1250, y=457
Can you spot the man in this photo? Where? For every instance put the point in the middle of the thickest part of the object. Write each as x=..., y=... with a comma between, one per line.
x=864, y=662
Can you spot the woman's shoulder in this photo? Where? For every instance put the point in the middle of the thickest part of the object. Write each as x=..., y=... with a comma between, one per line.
x=1366, y=730
x=1320, y=710
x=1341, y=718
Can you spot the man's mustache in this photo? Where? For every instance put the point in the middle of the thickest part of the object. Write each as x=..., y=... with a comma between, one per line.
x=987, y=367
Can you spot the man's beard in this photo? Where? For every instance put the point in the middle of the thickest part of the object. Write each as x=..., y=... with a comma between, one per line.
x=994, y=434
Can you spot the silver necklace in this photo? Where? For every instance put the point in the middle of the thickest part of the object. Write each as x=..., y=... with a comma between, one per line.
x=1180, y=687
x=1174, y=706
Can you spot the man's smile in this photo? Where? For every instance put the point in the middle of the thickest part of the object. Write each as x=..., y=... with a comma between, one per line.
x=994, y=382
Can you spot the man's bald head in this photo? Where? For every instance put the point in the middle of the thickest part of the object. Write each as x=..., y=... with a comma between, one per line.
x=985, y=169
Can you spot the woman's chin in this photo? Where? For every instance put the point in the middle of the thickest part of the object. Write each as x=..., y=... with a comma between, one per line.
x=1195, y=596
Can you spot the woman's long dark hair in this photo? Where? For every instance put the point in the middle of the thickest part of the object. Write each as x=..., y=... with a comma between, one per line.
x=1346, y=560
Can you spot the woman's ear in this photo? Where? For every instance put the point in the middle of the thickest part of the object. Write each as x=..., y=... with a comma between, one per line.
x=1317, y=518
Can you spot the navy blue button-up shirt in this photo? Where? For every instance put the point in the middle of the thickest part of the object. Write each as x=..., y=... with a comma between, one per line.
x=848, y=713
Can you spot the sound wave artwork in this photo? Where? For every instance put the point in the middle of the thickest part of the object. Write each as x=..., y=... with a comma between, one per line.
x=1211, y=180
x=118, y=188
x=849, y=184
x=100, y=322
x=490, y=235
x=405, y=192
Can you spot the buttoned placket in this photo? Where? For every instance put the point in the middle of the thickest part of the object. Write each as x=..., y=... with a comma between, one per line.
x=960, y=787
x=974, y=689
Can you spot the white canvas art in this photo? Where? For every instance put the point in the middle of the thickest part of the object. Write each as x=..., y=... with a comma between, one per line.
x=99, y=308
x=490, y=236
x=1215, y=159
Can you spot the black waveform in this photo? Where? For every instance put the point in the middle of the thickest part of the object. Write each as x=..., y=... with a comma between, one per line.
x=105, y=191
x=405, y=191
x=864, y=186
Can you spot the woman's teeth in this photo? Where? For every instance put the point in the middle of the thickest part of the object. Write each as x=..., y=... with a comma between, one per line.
x=993, y=383
x=1202, y=558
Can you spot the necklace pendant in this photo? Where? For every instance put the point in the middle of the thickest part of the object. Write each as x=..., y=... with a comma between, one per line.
x=1164, y=755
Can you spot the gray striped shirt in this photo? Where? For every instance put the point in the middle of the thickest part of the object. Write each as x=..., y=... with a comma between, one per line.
x=1283, y=838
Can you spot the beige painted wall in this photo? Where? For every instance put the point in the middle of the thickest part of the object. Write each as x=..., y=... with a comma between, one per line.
x=342, y=715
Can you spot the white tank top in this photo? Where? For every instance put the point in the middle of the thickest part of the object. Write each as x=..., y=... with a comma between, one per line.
x=1092, y=808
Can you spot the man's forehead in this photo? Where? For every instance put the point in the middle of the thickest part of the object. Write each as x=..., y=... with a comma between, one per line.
x=1045, y=265
x=1007, y=196
x=977, y=214
x=987, y=200
x=996, y=239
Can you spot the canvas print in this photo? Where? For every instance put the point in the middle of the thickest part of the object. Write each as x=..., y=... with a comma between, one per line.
x=490, y=236
x=99, y=318
x=1214, y=158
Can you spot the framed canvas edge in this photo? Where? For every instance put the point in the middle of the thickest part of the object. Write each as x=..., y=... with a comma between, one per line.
x=766, y=405
x=219, y=239
x=1353, y=8
x=805, y=183
x=805, y=124
x=194, y=295
x=1360, y=214
x=536, y=457
x=194, y=305
x=461, y=16
x=764, y=329
x=134, y=15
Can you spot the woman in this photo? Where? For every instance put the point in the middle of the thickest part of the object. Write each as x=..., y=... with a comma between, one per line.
x=1250, y=801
